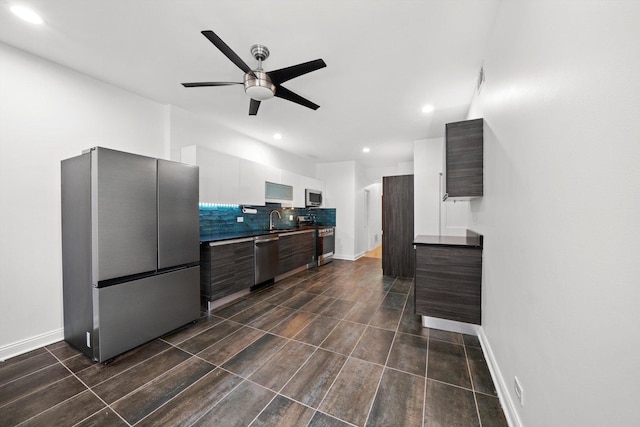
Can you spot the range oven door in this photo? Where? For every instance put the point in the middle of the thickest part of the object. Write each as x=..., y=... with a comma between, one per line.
x=326, y=245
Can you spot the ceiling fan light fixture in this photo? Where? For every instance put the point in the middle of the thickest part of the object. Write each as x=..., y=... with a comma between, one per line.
x=258, y=86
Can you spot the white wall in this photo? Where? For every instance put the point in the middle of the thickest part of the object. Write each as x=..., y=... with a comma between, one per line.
x=374, y=220
x=340, y=193
x=189, y=129
x=561, y=209
x=375, y=174
x=360, y=221
x=428, y=165
x=49, y=113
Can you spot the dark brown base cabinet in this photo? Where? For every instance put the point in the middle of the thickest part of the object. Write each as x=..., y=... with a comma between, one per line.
x=296, y=249
x=448, y=282
x=226, y=267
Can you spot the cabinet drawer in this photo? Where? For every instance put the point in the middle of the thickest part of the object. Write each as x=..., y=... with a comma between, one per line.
x=226, y=269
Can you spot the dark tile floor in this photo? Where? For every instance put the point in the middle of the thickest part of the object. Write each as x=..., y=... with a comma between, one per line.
x=334, y=346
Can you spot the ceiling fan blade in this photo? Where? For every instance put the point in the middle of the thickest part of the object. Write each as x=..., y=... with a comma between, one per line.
x=284, y=74
x=253, y=107
x=200, y=84
x=226, y=50
x=284, y=93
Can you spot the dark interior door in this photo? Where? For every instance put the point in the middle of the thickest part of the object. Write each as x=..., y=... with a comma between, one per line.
x=397, y=226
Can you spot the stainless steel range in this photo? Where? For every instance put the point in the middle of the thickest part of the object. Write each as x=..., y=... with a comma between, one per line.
x=326, y=244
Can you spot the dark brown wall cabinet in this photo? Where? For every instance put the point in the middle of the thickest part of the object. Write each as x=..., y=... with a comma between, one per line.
x=296, y=249
x=464, y=160
x=448, y=282
x=225, y=268
x=397, y=226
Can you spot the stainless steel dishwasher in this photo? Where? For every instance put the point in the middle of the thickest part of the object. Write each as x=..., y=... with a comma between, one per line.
x=265, y=251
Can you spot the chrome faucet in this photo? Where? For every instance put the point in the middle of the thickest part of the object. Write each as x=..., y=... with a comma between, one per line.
x=271, y=218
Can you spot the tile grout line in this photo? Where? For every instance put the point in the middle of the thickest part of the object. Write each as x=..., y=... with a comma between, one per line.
x=342, y=281
x=426, y=372
x=26, y=376
x=150, y=381
x=385, y=366
x=473, y=386
x=90, y=390
x=247, y=379
x=342, y=367
x=219, y=400
x=385, y=360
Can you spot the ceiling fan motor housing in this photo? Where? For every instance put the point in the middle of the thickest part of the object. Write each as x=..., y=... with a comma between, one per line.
x=258, y=85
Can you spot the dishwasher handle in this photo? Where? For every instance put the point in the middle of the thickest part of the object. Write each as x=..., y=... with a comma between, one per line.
x=266, y=239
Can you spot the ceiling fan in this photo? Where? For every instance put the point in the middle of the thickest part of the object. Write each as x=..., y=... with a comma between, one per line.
x=261, y=85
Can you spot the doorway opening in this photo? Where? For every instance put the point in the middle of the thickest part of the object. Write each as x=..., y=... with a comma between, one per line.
x=373, y=220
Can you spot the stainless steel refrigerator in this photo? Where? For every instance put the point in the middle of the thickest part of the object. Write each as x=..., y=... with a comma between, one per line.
x=130, y=250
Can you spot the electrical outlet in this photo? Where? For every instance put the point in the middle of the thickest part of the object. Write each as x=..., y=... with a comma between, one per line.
x=290, y=217
x=518, y=389
x=240, y=219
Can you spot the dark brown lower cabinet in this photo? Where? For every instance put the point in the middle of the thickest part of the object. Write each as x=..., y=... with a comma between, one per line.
x=296, y=249
x=448, y=282
x=226, y=267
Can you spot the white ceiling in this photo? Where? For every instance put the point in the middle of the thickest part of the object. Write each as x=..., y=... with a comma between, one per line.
x=385, y=59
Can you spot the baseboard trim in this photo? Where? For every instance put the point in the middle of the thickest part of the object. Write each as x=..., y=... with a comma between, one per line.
x=508, y=405
x=23, y=346
x=349, y=258
x=450, y=325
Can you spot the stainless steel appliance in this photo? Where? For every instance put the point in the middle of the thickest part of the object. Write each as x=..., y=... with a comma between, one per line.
x=326, y=244
x=130, y=250
x=265, y=258
x=313, y=198
x=304, y=220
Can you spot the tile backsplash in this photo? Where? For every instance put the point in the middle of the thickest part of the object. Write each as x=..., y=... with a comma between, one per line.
x=220, y=219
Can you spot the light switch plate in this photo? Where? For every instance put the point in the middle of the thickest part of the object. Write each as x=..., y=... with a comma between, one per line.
x=240, y=219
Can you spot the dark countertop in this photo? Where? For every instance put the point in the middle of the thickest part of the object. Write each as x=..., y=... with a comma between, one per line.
x=472, y=239
x=207, y=238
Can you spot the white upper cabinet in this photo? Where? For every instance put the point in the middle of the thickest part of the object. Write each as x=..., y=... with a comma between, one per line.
x=313, y=183
x=219, y=174
x=226, y=182
x=293, y=179
x=229, y=179
x=272, y=174
x=252, y=178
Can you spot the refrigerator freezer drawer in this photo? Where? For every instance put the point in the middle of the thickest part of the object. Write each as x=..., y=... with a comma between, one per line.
x=135, y=312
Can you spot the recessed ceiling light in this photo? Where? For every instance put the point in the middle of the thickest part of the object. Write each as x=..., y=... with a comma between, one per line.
x=427, y=108
x=366, y=149
x=277, y=136
x=26, y=14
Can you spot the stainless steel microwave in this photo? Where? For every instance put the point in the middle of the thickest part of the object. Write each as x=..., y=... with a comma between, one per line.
x=313, y=198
